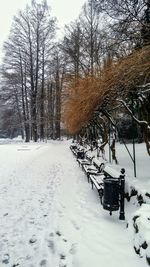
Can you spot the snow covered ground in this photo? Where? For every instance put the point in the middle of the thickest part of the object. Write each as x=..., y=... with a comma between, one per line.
x=50, y=217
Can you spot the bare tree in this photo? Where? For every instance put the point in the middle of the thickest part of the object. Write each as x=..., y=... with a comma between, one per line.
x=72, y=48
x=26, y=54
x=126, y=20
x=90, y=25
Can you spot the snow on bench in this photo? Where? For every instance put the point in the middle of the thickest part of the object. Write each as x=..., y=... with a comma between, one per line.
x=110, y=172
x=74, y=149
x=87, y=161
x=83, y=162
x=94, y=169
x=90, y=157
x=99, y=164
x=90, y=169
x=97, y=181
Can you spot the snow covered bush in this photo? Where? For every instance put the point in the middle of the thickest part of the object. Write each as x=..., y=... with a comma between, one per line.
x=134, y=189
x=141, y=231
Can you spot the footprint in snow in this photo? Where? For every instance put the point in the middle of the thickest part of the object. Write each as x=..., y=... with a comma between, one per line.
x=73, y=249
x=5, y=258
x=60, y=213
x=31, y=220
x=62, y=248
x=76, y=226
x=51, y=243
x=62, y=263
x=41, y=201
x=58, y=233
x=33, y=239
x=43, y=263
x=5, y=214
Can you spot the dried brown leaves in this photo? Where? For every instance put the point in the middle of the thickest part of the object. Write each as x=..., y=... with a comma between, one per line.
x=116, y=80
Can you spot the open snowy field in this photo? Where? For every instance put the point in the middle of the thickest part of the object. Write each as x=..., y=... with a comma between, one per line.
x=50, y=217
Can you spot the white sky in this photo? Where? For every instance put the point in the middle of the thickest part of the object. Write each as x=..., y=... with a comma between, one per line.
x=65, y=11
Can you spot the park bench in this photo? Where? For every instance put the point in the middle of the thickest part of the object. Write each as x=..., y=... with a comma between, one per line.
x=99, y=164
x=83, y=162
x=90, y=169
x=78, y=151
x=87, y=161
x=104, y=172
x=74, y=148
x=109, y=183
x=97, y=182
x=97, y=179
x=93, y=169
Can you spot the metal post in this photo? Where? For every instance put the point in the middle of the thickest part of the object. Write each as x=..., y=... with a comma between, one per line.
x=133, y=141
x=122, y=187
x=109, y=146
x=134, y=158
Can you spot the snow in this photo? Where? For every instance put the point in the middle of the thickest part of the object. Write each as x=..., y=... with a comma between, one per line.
x=141, y=227
x=50, y=217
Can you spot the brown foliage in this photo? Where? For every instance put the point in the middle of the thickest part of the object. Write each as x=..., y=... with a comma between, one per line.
x=114, y=81
x=80, y=103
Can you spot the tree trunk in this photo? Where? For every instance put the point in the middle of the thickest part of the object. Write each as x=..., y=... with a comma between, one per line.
x=58, y=102
x=34, y=117
x=42, y=134
x=27, y=125
x=25, y=120
x=51, y=110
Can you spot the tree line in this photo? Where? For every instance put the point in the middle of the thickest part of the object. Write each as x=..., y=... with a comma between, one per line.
x=32, y=73
x=118, y=85
x=39, y=74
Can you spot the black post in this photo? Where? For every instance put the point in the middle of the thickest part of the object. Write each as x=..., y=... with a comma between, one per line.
x=122, y=187
x=109, y=146
x=133, y=140
x=134, y=158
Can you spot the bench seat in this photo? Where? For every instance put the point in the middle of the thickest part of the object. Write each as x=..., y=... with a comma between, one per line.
x=83, y=162
x=97, y=181
x=90, y=169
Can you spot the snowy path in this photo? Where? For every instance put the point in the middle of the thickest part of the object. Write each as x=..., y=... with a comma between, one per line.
x=50, y=217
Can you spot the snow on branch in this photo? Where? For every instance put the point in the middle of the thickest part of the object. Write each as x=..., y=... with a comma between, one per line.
x=141, y=123
x=147, y=85
x=144, y=126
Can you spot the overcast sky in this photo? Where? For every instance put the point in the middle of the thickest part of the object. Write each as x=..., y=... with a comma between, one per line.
x=65, y=11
